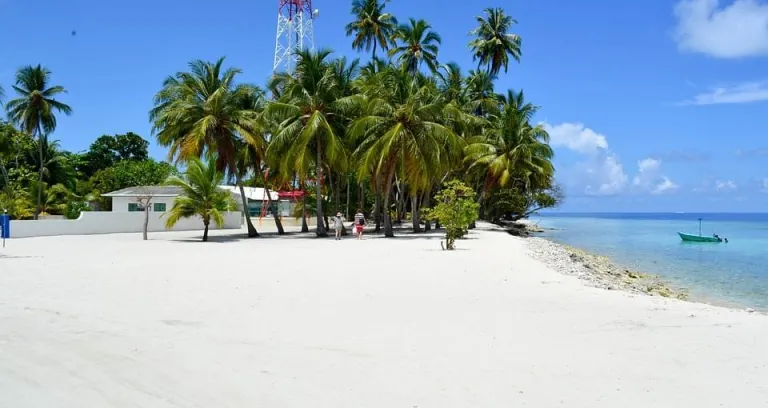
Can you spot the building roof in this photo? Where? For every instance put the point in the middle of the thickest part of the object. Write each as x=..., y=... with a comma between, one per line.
x=252, y=193
x=146, y=191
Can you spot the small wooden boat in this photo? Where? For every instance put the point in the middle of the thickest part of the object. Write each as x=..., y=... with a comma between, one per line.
x=699, y=238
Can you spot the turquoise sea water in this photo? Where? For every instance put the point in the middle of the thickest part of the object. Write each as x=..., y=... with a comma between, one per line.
x=735, y=273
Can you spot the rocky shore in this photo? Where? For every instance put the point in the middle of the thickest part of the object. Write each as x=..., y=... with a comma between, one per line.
x=599, y=271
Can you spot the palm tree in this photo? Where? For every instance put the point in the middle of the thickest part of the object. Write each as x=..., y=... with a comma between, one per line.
x=372, y=27
x=309, y=116
x=480, y=94
x=204, y=113
x=403, y=127
x=201, y=195
x=494, y=44
x=418, y=44
x=56, y=163
x=54, y=197
x=512, y=152
x=452, y=83
x=6, y=147
x=34, y=109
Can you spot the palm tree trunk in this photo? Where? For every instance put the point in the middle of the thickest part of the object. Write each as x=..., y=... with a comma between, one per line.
x=415, y=212
x=346, y=212
x=361, y=197
x=276, y=216
x=40, y=142
x=377, y=212
x=425, y=204
x=321, y=231
x=304, y=226
x=400, y=206
x=251, y=229
x=205, y=231
x=388, y=231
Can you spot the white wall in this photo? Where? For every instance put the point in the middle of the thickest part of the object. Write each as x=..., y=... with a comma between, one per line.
x=120, y=204
x=104, y=222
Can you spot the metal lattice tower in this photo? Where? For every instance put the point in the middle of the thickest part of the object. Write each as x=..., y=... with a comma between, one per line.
x=295, y=32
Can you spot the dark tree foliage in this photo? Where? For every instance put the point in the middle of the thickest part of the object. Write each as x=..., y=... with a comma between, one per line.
x=108, y=150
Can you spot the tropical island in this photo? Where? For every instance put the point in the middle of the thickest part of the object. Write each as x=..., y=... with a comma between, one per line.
x=429, y=155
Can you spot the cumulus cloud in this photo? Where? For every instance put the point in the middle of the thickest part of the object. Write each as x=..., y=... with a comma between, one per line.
x=649, y=178
x=730, y=30
x=601, y=172
x=746, y=92
x=725, y=185
x=576, y=137
x=603, y=175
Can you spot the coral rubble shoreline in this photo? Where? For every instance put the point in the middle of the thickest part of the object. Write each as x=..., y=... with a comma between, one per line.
x=599, y=271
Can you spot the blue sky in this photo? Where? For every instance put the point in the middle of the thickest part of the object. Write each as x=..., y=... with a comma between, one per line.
x=652, y=106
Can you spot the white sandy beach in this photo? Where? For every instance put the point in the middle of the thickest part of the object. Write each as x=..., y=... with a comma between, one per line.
x=113, y=321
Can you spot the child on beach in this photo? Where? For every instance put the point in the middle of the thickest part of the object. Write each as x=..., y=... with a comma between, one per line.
x=359, y=224
x=338, y=225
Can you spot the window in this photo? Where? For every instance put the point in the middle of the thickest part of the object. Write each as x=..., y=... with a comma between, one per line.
x=159, y=207
x=133, y=207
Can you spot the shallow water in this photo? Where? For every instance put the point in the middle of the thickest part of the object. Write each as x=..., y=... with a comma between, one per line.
x=735, y=273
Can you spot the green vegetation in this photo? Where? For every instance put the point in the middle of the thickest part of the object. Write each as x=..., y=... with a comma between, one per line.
x=456, y=209
x=384, y=135
x=200, y=195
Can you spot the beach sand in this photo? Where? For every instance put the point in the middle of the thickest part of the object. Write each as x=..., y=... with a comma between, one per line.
x=113, y=321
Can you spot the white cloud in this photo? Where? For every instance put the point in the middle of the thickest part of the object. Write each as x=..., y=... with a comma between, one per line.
x=576, y=137
x=746, y=92
x=764, y=185
x=727, y=185
x=737, y=29
x=601, y=172
x=665, y=185
x=649, y=178
x=604, y=175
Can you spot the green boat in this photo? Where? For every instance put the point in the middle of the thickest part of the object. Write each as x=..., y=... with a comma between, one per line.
x=699, y=238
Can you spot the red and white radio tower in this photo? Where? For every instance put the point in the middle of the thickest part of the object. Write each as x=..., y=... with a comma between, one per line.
x=294, y=32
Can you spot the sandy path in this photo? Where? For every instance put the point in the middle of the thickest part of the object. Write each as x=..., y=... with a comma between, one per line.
x=111, y=321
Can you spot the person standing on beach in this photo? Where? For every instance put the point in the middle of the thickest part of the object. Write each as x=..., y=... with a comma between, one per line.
x=338, y=225
x=359, y=224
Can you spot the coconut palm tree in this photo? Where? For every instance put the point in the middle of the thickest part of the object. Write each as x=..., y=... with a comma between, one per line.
x=34, y=110
x=54, y=197
x=417, y=44
x=310, y=122
x=494, y=44
x=56, y=164
x=452, y=83
x=372, y=27
x=512, y=152
x=403, y=127
x=200, y=196
x=205, y=113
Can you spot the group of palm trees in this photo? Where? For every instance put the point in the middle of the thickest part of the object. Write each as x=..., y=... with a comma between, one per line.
x=34, y=111
x=390, y=132
x=394, y=127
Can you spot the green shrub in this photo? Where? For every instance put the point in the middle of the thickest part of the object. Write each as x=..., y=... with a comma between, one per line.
x=456, y=209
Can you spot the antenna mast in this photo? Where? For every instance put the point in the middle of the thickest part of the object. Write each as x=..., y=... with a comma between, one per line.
x=295, y=32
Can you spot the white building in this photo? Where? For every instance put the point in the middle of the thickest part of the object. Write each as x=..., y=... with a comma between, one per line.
x=128, y=199
x=162, y=197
